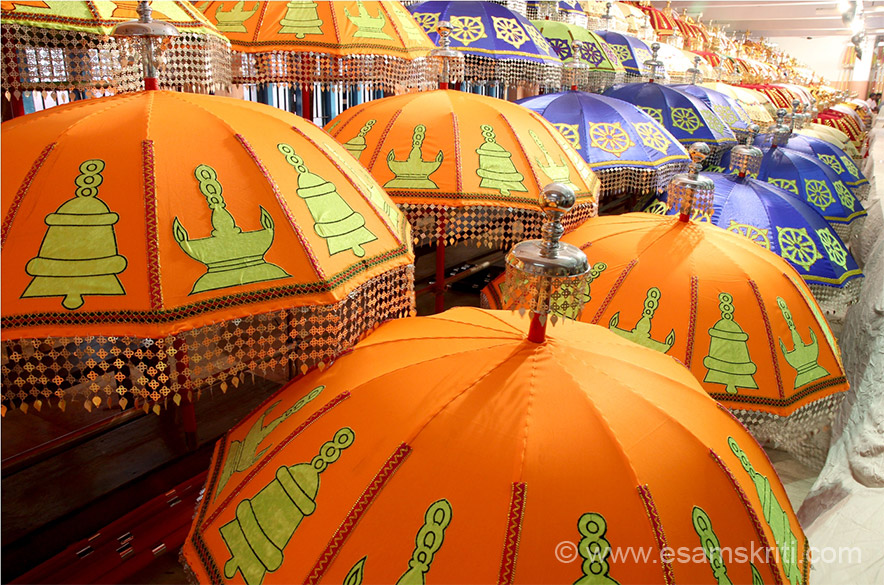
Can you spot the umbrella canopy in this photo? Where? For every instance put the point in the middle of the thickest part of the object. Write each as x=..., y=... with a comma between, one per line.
x=685, y=116
x=844, y=123
x=481, y=463
x=568, y=11
x=625, y=147
x=739, y=317
x=363, y=41
x=631, y=51
x=499, y=45
x=780, y=222
x=191, y=237
x=663, y=24
x=813, y=181
x=66, y=46
x=727, y=108
x=464, y=167
x=835, y=158
x=602, y=66
x=750, y=102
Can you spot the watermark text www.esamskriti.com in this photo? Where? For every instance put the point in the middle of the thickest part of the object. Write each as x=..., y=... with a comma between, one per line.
x=568, y=552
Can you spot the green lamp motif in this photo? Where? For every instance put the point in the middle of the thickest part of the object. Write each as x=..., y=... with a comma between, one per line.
x=641, y=333
x=413, y=172
x=728, y=360
x=265, y=523
x=232, y=257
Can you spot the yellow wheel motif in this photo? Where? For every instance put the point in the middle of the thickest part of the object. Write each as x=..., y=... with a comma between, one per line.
x=622, y=52
x=685, y=119
x=611, y=138
x=540, y=41
x=797, y=247
x=428, y=20
x=658, y=207
x=510, y=31
x=818, y=194
x=787, y=184
x=655, y=113
x=757, y=235
x=467, y=29
x=571, y=132
x=652, y=137
x=728, y=115
x=832, y=161
x=833, y=247
x=845, y=196
x=851, y=168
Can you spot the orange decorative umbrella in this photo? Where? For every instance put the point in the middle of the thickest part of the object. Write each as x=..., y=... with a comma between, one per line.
x=464, y=166
x=738, y=316
x=451, y=449
x=190, y=237
x=362, y=41
x=64, y=46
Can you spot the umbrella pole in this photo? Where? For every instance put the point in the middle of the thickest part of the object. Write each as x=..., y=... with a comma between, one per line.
x=440, y=269
x=188, y=411
x=537, y=329
x=306, y=102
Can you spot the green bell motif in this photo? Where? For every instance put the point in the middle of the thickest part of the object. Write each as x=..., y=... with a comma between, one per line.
x=301, y=19
x=413, y=172
x=496, y=167
x=357, y=144
x=728, y=360
x=641, y=333
x=232, y=257
x=335, y=221
x=803, y=356
x=266, y=522
x=78, y=255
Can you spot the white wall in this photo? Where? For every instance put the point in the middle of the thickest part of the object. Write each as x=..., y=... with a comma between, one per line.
x=822, y=54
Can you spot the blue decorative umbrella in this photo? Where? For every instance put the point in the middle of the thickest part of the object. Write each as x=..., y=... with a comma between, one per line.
x=499, y=44
x=723, y=105
x=632, y=51
x=563, y=11
x=628, y=150
x=836, y=159
x=780, y=222
x=809, y=179
x=686, y=117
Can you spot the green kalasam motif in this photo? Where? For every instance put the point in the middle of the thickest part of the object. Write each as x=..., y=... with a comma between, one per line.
x=367, y=26
x=556, y=173
x=797, y=247
x=834, y=250
x=728, y=360
x=234, y=20
x=334, y=220
x=756, y=575
x=595, y=550
x=266, y=522
x=775, y=516
x=832, y=161
x=803, y=356
x=413, y=172
x=685, y=119
x=788, y=184
x=641, y=333
x=301, y=19
x=711, y=545
x=241, y=455
x=845, y=196
x=357, y=144
x=232, y=257
x=78, y=255
x=496, y=167
x=818, y=194
x=427, y=543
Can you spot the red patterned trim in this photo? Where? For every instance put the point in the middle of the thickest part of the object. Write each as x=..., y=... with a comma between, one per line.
x=513, y=533
x=22, y=191
x=753, y=516
x=271, y=454
x=644, y=493
x=365, y=500
x=617, y=284
x=383, y=137
x=692, y=322
x=458, y=171
x=150, y=214
x=317, y=268
x=770, y=341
